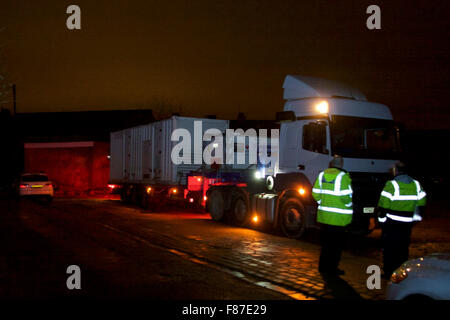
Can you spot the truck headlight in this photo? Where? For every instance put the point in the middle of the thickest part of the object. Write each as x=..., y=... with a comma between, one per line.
x=322, y=107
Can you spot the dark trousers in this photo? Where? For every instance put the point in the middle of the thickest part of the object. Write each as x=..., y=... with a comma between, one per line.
x=395, y=237
x=333, y=240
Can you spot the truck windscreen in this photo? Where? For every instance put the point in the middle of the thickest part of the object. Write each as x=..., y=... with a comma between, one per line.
x=356, y=137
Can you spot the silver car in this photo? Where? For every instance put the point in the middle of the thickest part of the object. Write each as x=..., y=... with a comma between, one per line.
x=35, y=184
x=421, y=279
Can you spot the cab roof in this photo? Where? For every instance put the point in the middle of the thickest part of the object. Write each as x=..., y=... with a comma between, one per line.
x=300, y=87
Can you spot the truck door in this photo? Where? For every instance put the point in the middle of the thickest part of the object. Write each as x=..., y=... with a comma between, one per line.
x=313, y=152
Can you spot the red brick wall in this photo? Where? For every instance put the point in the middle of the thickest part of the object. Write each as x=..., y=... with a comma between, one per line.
x=100, y=172
x=73, y=170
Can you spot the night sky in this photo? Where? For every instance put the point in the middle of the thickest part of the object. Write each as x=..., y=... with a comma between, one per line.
x=224, y=57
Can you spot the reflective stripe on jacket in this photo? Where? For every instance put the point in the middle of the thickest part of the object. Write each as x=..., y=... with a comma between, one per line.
x=399, y=201
x=333, y=192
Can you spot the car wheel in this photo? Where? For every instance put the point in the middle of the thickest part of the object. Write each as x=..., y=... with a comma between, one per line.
x=418, y=297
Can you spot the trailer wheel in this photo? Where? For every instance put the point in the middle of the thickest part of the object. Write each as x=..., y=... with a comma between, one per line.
x=145, y=201
x=292, y=218
x=134, y=196
x=239, y=215
x=216, y=205
x=124, y=194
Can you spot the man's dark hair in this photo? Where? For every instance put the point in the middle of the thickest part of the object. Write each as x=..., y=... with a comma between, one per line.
x=401, y=168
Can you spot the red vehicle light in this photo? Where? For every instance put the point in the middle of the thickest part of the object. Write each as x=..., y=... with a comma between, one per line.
x=23, y=186
x=195, y=183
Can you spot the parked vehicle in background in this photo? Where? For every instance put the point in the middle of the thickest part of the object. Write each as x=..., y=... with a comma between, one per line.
x=422, y=279
x=36, y=185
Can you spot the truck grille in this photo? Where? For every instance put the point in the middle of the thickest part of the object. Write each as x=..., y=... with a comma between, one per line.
x=367, y=187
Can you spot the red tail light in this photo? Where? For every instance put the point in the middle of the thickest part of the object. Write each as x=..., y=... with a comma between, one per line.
x=23, y=186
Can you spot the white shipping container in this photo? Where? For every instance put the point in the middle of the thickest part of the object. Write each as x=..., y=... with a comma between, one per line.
x=142, y=154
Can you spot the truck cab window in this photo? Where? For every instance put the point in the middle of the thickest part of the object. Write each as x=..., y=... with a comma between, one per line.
x=315, y=137
x=355, y=137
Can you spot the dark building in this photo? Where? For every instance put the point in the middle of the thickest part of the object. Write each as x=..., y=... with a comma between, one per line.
x=73, y=167
x=11, y=160
x=78, y=126
x=71, y=147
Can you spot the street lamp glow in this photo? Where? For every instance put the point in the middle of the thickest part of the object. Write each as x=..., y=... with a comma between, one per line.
x=255, y=219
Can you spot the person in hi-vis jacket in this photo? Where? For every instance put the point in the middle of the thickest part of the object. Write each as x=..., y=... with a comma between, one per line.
x=401, y=203
x=333, y=192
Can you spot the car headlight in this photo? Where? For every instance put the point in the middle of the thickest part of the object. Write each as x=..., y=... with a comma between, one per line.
x=400, y=274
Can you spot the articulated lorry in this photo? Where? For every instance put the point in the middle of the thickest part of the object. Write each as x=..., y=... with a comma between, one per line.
x=320, y=119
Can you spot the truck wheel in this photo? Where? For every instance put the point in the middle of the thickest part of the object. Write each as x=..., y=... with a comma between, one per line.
x=239, y=215
x=292, y=218
x=134, y=196
x=124, y=194
x=145, y=201
x=216, y=205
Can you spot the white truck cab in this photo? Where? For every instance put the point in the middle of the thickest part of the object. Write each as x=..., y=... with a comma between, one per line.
x=334, y=120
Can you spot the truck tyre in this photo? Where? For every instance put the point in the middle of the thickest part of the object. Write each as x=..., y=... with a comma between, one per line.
x=216, y=205
x=134, y=196
x=292, y=218
x=124, y=194
x=239, y=213
x=145, y=201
